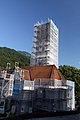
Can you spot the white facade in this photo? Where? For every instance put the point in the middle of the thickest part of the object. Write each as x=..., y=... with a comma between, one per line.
x=45, y=44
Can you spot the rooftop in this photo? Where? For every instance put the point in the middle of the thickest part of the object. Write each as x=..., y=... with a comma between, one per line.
x=47, y=72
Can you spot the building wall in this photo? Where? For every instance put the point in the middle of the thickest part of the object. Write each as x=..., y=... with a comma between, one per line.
x=71, y=93
x=57, y=96
x=45, y=44
x=45, y=94
x=50, y=100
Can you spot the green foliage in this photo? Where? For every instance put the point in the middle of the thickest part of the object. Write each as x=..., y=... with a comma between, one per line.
x=12, y=56
x=25, y=53
x=72, y=73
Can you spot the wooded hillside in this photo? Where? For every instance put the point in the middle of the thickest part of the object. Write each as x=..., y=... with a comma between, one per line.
x=12, y=56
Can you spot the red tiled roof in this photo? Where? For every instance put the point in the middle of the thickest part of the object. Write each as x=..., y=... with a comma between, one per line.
x=34, y=72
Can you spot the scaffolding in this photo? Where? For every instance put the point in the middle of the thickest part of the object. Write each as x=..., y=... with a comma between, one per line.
x=45, y=45
x=6, y=85
x=41, y=94
x=28, y=85
x=52, y=95
x=50, y=83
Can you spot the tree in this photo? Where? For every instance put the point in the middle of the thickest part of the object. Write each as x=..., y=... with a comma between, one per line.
x=73, y=74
